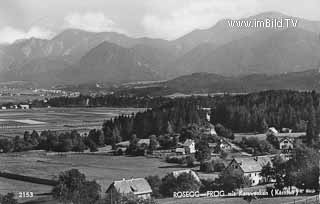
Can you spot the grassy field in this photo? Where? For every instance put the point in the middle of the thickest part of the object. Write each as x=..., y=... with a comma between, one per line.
x=102, y=168
x=15, y=122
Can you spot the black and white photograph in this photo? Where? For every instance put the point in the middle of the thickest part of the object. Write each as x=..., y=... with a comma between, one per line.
x=159, y=102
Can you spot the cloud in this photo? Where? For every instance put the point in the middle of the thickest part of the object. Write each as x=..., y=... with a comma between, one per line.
x=173, y=22
x=95, y=22
x=9, y=34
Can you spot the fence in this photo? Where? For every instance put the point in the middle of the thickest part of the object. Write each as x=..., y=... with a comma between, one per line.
x=309, y=200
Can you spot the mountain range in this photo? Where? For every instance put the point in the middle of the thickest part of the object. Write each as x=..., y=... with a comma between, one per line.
x=77, y=56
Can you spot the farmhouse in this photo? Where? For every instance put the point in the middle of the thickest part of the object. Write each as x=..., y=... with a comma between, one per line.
x=189, y=146
x=180, y=151
x=285, y=144
x=210, y=130
x=138, y=187
x=250, y=167
x=24, y=106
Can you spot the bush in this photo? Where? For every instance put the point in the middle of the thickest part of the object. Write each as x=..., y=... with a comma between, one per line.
x=224, y=132
x=155, y=183
x=184, y=181
x=176, y=160
x=207, y=167
x=190, y=161
x=212, y=166
x=8, y=199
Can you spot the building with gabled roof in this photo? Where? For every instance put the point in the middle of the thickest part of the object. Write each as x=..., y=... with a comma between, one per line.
x=250, y=167
x=286, y=144
x=189, y=146
x=138, y=187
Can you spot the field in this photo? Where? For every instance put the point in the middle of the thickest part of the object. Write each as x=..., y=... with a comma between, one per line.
x=102, y=168
x=15, y=122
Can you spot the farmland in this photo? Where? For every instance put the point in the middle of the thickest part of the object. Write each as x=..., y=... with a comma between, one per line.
x=102, y=168
x=15, y=122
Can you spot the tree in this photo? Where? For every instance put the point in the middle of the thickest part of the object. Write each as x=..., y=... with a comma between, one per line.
x=268, y=172
x=183, y=182
x=190, y=161
x=8, y=199
x=6, y=145
x=153, y=143
x=231, y=180
x=311, y=127
x=73, y=187
x=92, y=145
x=203, y=151
x=224, y=132
x=97, y=137
x=155, y=183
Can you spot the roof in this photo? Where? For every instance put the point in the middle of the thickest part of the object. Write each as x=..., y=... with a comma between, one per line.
x=264, y=160
x=291, y=134
x=127, y=143
x=144, y=141
x=285, y=138
x=248, y=164
x=136, y=186
x=123, y=144
x=179, y=149
x=274, y=130
x=188, y=142
x=253, y=164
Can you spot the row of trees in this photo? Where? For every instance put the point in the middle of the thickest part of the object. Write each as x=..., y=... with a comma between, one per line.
x=53, y=141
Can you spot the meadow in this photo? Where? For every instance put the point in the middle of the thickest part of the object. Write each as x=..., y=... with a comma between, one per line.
x=102, y=168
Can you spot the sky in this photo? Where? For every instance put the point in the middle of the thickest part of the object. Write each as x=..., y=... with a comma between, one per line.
x=167, y=19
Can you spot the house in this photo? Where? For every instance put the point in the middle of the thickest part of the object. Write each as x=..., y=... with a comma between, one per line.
x=137, y=186
x=180, y=151
x=24, y=106
x=210, y=130
x=250, y=167
x=223, y=145
x=286, y=144
x=3, y=108
x=219, y=146
x=188, y=171
x=272, y=131
x=286, y=130
x=189, y=146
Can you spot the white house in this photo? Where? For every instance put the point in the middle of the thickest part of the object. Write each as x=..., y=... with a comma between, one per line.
x=3, y=108
x=137, y=186
x=189, y=146
x=286, y=144
x=180, y=151
x=250, y=167
x=25, y=106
